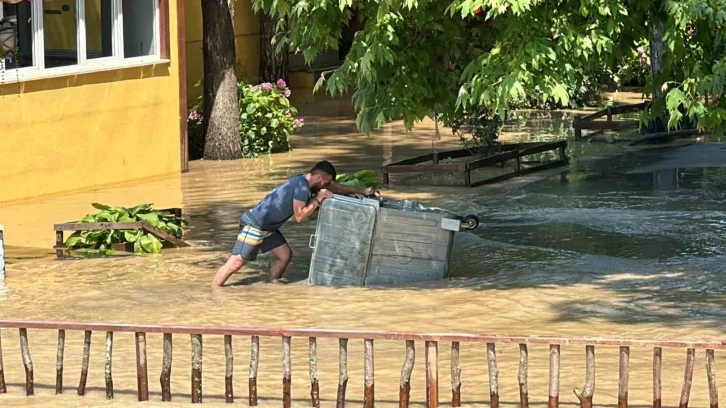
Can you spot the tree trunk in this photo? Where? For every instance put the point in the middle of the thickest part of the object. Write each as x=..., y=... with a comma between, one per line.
x=657, y=54
x=221, y=102
x=273, y=65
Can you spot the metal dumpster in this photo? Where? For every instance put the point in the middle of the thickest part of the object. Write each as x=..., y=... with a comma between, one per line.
x=362, y=241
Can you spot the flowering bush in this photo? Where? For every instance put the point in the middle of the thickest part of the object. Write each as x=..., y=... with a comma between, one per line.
x=266, y=120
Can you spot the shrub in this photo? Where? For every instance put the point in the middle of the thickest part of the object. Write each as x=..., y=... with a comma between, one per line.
x=267, y=120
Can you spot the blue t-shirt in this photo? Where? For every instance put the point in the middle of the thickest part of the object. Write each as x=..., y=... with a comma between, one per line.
x=276, y=207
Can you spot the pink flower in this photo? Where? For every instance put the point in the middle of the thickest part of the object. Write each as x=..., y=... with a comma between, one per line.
x=267, y=86
x=287, y=93
x=281, y=84
x=640, y=50
x=195, y=115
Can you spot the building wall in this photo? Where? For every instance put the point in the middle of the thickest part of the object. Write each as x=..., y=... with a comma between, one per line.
x=85, y=131
x=247, y=36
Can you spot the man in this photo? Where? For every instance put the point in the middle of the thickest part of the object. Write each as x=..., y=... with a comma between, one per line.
x=259, y=227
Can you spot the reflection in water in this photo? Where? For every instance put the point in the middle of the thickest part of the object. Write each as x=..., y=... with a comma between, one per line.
x=613, y=250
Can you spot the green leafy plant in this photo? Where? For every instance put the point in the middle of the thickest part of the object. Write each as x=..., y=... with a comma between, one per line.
x=143, y=242
x=267, y=120
x=364, y=178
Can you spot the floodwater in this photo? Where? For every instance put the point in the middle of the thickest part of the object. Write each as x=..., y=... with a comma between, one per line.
x=628, y=243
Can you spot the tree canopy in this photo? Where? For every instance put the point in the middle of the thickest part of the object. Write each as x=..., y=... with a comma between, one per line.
x=414, y=58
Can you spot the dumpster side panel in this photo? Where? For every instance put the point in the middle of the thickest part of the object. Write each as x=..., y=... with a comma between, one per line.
x=343, y=242
x=409, y=246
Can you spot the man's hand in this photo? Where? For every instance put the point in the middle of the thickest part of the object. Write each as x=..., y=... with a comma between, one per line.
x=323, y=194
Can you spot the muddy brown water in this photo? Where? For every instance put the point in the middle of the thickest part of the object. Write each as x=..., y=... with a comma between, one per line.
x=608, y=251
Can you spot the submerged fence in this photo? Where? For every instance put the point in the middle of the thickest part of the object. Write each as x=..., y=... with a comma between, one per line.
x=431, y=342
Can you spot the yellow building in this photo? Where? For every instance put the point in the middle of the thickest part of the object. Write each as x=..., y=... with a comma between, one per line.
x=100, y=104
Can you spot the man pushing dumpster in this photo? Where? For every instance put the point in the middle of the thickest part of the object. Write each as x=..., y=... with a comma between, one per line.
x=260, y=226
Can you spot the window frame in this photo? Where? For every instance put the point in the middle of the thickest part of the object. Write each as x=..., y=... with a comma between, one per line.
x=84, y=65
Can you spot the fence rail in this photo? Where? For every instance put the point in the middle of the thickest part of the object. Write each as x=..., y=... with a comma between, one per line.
x=431, y=342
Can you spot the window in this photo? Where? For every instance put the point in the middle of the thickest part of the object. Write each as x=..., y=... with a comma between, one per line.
x=56, y=37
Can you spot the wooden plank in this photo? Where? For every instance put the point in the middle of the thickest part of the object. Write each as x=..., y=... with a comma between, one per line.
x=313, y=365
x=623, y=377
x=165, y=377
x=85, y=361
x=196, y=368
x=3, y=386
x=142, y=375
x=229, y=370
x=657, y=362
x=546, y=147
x=370, y=334
x=554, y=393
x=404, y=393
x=664, y=135
x=493, y=375
x=108, y=366
x=164, y=236
x=254, y=361
x=369, y=393
x=412, y=160
x=432, y=374
x=59, y=362
x=711, y=375
x=27, y=362
x=523, y=369
x=286, y=373
x=687, y=378
x=342, y=372
x=88, y=226
x=426, y=168
x=621, y=124
x=492, y=160
x=455, y=375
x=59, y=246
x=522, y=172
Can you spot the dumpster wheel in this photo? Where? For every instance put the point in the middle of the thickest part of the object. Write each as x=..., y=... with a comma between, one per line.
x=469, y=222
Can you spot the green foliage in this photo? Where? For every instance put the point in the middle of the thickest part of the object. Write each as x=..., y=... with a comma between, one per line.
x=363, y=178
x=477, y=131
x=417, y=57
x=143, y=242
x=267, y=120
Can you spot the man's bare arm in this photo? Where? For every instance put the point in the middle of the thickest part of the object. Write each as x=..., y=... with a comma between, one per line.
x=303, y=210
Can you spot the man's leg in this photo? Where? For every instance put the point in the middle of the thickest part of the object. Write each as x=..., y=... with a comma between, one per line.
x=234, y=263
x=277, y=244
x=283, y=255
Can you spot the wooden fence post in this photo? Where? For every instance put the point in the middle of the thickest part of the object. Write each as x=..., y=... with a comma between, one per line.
x=165, y=377
x=369, y=391
x=455, y=375
x=142, y=376
x=405, y=390
x=343, y=372
x=711, y=374
x=108, y=365
x=196, y=368
x=313, y=361
x=657, y=361
x=623, y=377
x=432, y=374
x=3, y=387
x=687, y=378
x=27, y=362
x=554, y=398
x=586, y=396
x=493, y=375
x=523, y=371
x=286, y=373
x=84, y=364
x=254, y=361
x=229, y=369
x=59, y=362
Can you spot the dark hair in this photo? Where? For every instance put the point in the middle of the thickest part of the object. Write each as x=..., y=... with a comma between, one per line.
x=324, y=167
